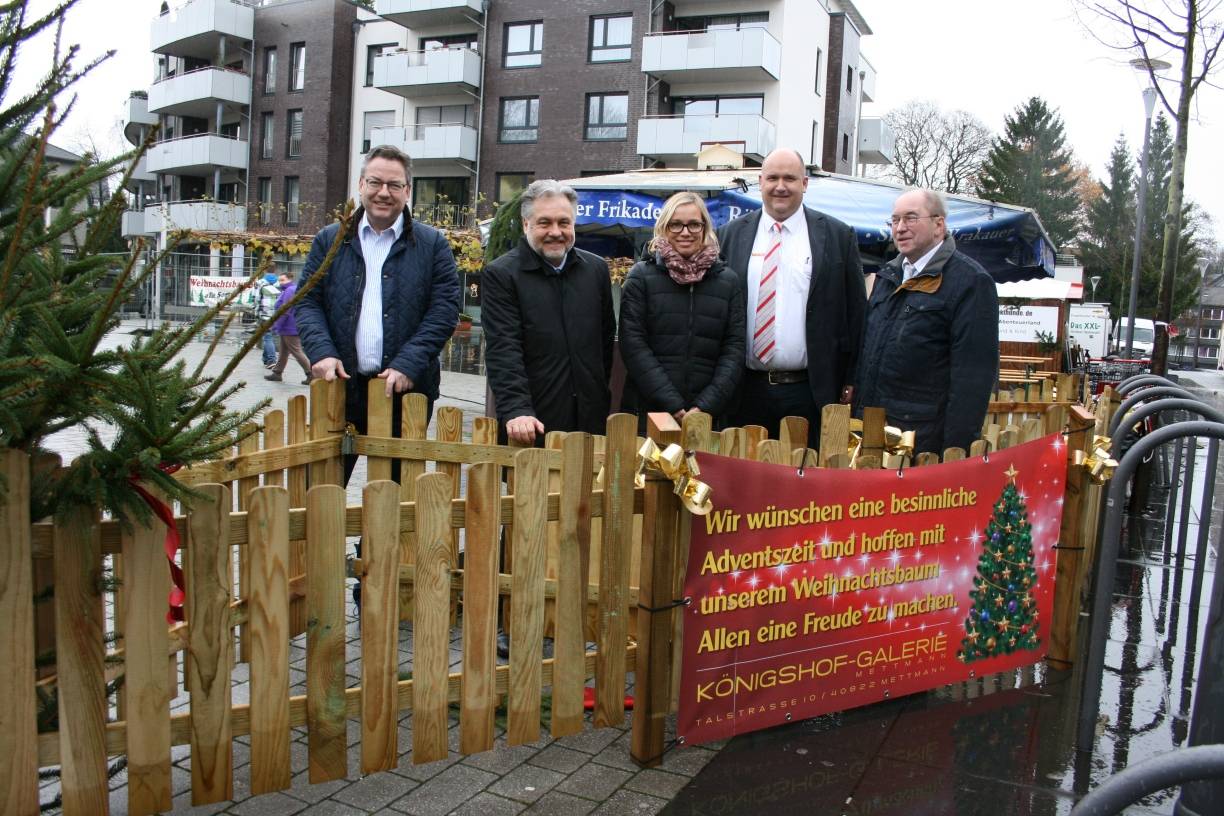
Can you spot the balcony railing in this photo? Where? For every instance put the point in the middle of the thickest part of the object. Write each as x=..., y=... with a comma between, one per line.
x=726, y=55
x=425, y=13
x=197, y=154
x=428, y=73
x=137, y=118
x=196, y=28
x=196, y=93
x=199, y=216
x=682, y=136
x=426, y=143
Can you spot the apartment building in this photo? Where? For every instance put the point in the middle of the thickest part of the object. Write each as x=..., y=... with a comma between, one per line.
x=251, y=101
x=487, y=95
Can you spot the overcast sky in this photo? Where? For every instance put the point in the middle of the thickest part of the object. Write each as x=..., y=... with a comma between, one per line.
x=983, y=56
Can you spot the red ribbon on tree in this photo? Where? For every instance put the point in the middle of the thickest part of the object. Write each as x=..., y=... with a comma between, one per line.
x=178, y=592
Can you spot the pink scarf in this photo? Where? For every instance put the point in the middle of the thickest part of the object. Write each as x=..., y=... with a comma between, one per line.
x=686, y=270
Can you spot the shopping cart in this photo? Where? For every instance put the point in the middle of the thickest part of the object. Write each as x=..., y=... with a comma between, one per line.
x=1110, y=371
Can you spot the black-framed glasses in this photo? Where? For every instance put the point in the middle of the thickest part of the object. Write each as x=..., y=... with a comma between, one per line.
x=392, y=186
x=909, y=219
x=677, y=227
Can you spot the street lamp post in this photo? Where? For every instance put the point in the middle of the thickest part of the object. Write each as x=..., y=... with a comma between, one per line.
x=1094, y=280
x=1149, y=103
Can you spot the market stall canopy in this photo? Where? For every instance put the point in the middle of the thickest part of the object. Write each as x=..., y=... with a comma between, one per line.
x=1008, y=241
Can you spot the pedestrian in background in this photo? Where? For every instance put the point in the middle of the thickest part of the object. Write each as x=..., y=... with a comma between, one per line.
x=682, y=319
x=268, y=294
x=287, y=331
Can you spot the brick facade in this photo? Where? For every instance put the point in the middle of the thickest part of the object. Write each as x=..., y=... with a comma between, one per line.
x=562, y=81
x=326, y=27
x=840, y=108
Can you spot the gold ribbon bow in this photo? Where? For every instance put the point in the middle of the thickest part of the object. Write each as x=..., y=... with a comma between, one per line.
x=1099, y=464
x=679, y=466
x=898, y=444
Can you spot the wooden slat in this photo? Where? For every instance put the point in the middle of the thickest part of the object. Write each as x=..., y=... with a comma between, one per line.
x=753, y=436
x=573, y=567
x=210, y=651
x=327, y=423
x=793, y=433
x=552, y=543
x=82, y=685
x=269, y=628
x=431, y=624
x=379, y=626
x=325, y=680
x=274, y=438
x=613, y=631
x=591, y=619
x=449, y=428
x=979, y=447
x=146, y=683
x=696, y=433
x=378, y=419
x=44, y=466
x=652, y=681
x=953, y=454
x=242, y=489
x=874, y=420
x=1009, y=438
x=414, y=425
x=926, y=458
x=480, y=610
x=527, y=612
x=771, y=451
x=834, y=431
x=732, y=442
x=246, y=447
x=1031, y=429
x=18, y=727
x=297, y=498
x=254, y=464
x=1069, y=563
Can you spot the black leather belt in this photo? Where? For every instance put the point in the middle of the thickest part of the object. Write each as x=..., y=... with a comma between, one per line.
x=783, y=377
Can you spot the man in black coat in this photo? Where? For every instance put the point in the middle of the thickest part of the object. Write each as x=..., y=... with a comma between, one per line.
x=931, y=353
x=389, y=301
x=804, y=300
x=549, y=325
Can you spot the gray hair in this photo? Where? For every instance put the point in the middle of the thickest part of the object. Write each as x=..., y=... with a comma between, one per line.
x=545, y=188
x=390, y=152
x=935, y=201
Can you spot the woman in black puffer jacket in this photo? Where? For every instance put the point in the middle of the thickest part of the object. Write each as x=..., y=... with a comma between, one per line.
x=682, y=319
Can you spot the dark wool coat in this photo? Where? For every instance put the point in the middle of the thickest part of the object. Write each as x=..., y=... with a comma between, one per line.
x=548, y=338
x=420, y=294
x=931, y=353
x=683, y=346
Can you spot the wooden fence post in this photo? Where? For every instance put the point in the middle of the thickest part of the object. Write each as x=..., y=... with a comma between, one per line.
x=573, y=575
x=1069, y=564
x=660, y=517
x=620, y=460
x=325, y=702
x=18, y=727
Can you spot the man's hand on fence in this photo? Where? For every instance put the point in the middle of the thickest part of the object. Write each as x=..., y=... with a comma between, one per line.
x=397, y=381
x=328, y=369
x=524, y=429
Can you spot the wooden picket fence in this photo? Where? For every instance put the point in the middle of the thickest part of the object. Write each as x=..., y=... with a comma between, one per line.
x=568, y=550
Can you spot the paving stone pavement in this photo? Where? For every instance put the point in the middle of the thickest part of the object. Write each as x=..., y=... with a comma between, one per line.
x=582, y=774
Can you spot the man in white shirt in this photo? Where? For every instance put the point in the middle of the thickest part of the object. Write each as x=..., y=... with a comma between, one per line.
x=389, y=301
x=805, y=300
x=931, y=352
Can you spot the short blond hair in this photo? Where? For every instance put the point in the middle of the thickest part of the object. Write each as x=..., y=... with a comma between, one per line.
x=678, y=200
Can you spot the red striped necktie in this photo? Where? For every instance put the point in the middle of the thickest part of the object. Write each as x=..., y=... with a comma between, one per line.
x=763, y=340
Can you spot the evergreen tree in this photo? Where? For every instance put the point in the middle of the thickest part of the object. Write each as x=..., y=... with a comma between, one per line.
x=1108, y=242
x=1031, y=166
x=1003, y=612
x=1159, y=177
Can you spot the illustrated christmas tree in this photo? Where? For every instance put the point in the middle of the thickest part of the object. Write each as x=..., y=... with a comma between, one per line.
x=1003, y=614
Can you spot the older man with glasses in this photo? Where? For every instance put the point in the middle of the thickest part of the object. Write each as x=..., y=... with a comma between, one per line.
x=931, y=352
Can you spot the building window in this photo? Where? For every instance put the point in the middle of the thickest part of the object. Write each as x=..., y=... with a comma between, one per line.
x=374, y=119
x=1210, y=334
x=228, y=193
x=720, y=105
x=231, y=130
x=849, y=79
x=511, y=184
x=845, y=147
x=294, y=145
x=372, y=53
x=445, y=115
x=520, y=119
x=265, y=202
x=819, y=71
x=1210, y=352
x=297, y=66
x=723, y=22
x=815, y=141
x=269, y=75
x=611, y=38
x=1213, y=313
x=470, y=41
x=524, y=44
x=293, y=200
x=440, y=201
x=267, y=129
x=607, y=117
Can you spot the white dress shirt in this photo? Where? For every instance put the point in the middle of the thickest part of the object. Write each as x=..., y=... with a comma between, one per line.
x=909, y=270
x=794, y=277
x=375, y=246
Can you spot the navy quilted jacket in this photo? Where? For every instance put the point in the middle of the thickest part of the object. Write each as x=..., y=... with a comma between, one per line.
x=420, y=292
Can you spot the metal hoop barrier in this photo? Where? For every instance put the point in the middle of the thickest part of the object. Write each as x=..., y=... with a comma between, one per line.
x=1157, y=773
x=1137, y=380
x=1206, y=727
x=1144, y=396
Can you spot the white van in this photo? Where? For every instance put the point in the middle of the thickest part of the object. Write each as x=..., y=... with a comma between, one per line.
x=1145, y=337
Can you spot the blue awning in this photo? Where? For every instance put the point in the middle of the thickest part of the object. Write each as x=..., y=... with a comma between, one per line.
x=1008, y=241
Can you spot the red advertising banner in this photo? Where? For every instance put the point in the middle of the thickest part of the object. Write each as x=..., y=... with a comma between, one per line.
x=831, y=589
